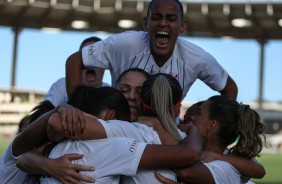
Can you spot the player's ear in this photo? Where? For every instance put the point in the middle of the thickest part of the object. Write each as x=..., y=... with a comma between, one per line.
x=111, y=114
x=145, y=23
x=212, y=126
x=183, y=26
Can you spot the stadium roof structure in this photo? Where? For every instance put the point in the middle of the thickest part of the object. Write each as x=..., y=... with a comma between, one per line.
x=240, y=19
x=206, y=18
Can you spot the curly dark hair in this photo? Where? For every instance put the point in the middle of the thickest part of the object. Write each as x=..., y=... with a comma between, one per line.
x=237, y=120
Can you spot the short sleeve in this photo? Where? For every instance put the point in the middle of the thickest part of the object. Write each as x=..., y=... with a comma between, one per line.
x=57, y=93
x=213, y=74
x=223, y=172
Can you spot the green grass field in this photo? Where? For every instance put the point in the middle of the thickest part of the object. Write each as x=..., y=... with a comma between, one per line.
x=271, y=162
x=3, y=145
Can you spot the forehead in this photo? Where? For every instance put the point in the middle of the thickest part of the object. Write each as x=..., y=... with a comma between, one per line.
x=205, y=106
x=132, y=78
x=191, y=111
x=165, y=6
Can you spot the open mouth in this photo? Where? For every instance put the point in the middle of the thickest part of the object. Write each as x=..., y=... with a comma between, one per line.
x=91, y=75
x=162, y=38
x=133, y=107
x=90, y=72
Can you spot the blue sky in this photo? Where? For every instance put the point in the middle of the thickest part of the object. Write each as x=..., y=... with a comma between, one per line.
x=41, y=61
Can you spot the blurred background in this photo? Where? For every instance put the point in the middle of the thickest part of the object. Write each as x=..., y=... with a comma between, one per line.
x=37, y=36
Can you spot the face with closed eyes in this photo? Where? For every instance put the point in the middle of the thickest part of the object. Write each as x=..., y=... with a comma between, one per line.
x=131, y=85
x=206, y=126
x=164, y=24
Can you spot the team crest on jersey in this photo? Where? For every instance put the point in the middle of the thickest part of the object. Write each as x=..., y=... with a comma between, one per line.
x=91, y=50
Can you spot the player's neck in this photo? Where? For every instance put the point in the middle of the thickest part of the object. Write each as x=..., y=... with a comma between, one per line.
x=160, y=60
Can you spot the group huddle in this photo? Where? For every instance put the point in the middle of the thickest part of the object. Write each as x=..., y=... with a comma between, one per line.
x=130, y=132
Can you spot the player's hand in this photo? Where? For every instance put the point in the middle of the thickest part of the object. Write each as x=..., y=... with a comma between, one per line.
x=72, y=119
x=65, y=171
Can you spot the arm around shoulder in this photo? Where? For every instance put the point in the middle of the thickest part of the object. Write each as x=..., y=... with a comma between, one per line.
x=249, y=168
x=93, y=129
x=32, y=136
x=185, y=154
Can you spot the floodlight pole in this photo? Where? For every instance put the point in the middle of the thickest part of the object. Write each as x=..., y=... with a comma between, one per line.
x=14, y=65
x=262, y=43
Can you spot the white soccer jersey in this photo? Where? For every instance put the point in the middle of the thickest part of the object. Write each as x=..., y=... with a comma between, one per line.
x=223, y=172
x=9, y=173
x=57, y=93
x=140, y=132
x=111, y=158
x=131, y=49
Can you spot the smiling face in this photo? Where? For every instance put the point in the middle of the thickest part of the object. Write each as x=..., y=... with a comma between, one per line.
x=164, y=23
x=131, y=85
